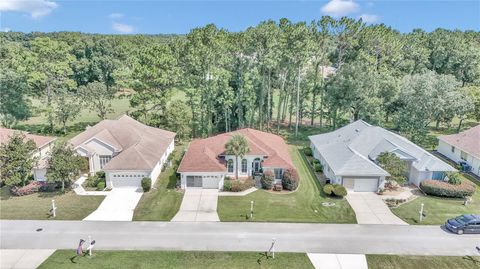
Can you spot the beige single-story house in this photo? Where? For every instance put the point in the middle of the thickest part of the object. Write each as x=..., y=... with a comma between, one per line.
x=205, y=163
x=349, y=154
x=125, y=149
x=44, y=146
x=462, y=147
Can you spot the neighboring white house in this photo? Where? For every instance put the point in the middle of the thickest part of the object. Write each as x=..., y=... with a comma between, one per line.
x=125, y=149
x=205, y=164
x=464, y=146
x=44, y=145
x=348, y=156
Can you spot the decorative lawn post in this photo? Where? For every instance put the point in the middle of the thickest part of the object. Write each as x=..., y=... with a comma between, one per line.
x=251, y=209
x=54, y=208
x=272, y=248
x=90, y=246
x=421, y=212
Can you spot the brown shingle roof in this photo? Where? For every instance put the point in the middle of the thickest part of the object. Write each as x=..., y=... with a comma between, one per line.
x=203, y=154
x=468, y=141
x=140, y=146
x=39, y=140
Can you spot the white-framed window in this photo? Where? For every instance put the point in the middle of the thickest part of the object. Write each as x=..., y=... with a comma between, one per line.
x=104, y=159
x=463, y=155
x=278, y=173
x=230, y=165
x=244, y=165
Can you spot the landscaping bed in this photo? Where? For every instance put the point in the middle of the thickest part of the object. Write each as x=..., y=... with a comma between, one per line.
x=438, y=209
x=303, y=205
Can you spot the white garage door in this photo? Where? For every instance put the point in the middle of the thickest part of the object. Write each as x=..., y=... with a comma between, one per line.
x=366, y=184
x=129, y=180
x=211, y=182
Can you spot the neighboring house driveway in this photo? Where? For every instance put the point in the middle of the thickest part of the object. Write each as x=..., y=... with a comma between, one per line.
x=23, y=258
x=370, y=209
x=118, y=205
x=338, y=261
x=198, y=205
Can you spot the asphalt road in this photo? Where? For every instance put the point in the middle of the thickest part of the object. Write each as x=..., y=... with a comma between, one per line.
x=218, y=236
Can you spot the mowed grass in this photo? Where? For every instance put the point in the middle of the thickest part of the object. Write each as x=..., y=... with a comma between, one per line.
x=162, y=203
x=175, y=259
x=303, y=205
x=423, y=262
x=37, y=206
x=438, y=209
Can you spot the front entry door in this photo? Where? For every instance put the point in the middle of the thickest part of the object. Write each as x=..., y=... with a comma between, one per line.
x=256, y=166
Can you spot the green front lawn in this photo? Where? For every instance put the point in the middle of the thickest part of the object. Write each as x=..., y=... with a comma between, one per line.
x=303, y=205
x=423, y=262
x=37, y=206
x=175, y=259
x=437, y=209
x=162, y=203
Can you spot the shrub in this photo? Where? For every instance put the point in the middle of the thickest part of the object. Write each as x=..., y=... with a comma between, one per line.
x=318, y=167
x=308, y=151
x=146, y=184
x=290, y=180
x=101, y=185
x=267, y=180
x=100, y=175
x=227, y=184
x=315, y=161
x=454, y=178
x=445, y=189
x=92, y=181
x=32, y=187
x=328, y=189
x=339, y=190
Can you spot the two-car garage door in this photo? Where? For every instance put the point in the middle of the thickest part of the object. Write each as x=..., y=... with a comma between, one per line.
x=206, y=182
x=361, y=184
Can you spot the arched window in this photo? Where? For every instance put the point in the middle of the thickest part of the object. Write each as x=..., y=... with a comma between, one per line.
x=230, y=165
x=244, y=166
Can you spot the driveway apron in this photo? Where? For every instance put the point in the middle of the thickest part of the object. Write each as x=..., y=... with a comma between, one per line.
x=118, y=205
x=370, y=209
x=198, y=205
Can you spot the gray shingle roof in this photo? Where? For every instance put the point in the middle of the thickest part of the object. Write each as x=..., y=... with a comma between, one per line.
x=351, y=149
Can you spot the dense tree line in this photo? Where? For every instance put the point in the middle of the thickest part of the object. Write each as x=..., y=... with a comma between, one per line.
x=324, y=73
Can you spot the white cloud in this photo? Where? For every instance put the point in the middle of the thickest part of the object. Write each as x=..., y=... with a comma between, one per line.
x=339, y=8
x=123, y=28
x=36, y=8
x=116, y=16
x=369, y=18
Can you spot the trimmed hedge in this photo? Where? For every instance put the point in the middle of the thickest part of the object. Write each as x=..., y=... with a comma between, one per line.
x=239, y=185
x=318, y=167
x=308, y=151
x=290, y=180
x=146, y=184
x=328, y=189
x=340, y=191
x=267, y=180
x=445, y=189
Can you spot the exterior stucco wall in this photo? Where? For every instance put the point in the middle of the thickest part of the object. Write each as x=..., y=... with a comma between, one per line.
x=249, y=158
x=327, y=171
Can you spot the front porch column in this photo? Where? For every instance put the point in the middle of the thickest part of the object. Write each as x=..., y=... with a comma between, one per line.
x=91, y=165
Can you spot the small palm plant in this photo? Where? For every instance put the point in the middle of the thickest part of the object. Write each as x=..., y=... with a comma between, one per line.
x=237, y=146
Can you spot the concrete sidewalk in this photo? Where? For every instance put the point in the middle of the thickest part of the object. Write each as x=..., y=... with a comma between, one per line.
x=370, y=209
x=198, y=205
x=23, y=258
x=338, y=261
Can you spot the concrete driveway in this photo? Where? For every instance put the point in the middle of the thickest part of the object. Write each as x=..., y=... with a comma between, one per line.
x=370, y=209
x=118, y=205
x=198, y=205
x=338, y=261
x=23, y=258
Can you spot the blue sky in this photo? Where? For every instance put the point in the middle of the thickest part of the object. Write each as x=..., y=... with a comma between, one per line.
x=156, y=16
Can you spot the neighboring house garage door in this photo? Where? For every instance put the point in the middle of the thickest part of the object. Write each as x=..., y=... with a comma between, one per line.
x=126, y=180
x=361, y=184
